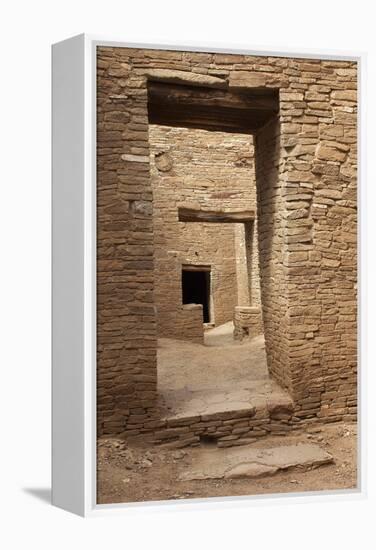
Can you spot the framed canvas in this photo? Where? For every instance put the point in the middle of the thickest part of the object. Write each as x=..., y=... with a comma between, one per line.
x=206, y=254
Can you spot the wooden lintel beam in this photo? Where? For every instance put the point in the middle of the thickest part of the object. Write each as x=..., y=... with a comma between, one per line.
x=215, y=216
x=162, y=94
x=216, y=119
x=192, y=267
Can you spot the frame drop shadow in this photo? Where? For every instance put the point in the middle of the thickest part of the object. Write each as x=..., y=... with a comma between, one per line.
x=42, y=493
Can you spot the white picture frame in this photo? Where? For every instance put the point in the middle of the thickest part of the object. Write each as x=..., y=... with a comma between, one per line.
x=74, y=276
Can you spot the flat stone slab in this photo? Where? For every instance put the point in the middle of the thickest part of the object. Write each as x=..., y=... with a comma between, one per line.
x=250, y=462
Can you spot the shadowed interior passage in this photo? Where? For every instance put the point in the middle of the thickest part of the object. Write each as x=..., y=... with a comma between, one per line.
x=196, y=289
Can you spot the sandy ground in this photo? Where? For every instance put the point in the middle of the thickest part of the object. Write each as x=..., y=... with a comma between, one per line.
x=134, y=473
x=222, y=374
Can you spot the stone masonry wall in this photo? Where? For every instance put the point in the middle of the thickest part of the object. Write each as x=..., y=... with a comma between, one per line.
x=242, y=275
x=189, y=323
x=272, y=251
x=198, y=169
x=247, y=322
x=313, y=240
x=247, y=263
x=126, y=325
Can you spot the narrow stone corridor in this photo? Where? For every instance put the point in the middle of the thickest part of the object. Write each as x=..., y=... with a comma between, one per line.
x=219, y=376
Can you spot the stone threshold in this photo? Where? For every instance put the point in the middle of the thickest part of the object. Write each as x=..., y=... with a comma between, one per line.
x=226, y=427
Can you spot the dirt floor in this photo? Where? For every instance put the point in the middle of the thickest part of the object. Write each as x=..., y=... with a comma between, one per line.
x=196, y=379
x=222, y=374
x=137, y=472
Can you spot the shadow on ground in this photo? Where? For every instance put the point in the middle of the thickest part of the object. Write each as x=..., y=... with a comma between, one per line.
x=40, y=493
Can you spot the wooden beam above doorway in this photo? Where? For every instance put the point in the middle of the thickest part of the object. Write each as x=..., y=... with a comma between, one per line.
x=215, y=216
x=188, y=106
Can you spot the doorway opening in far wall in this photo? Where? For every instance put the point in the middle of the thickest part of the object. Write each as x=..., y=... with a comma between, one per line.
x=196, y=288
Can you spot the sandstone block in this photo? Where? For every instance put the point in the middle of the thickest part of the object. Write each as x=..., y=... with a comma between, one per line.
x=186, y=77
x=324, y=152
x=247, y=79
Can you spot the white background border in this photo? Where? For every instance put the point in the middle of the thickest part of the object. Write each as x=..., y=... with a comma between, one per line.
x=29, y=29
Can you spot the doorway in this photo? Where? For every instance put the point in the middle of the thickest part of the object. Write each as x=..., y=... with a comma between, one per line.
x=196, y=288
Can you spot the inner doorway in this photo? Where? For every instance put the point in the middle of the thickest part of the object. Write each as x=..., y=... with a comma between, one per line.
x=196, y=288
x=204, y=200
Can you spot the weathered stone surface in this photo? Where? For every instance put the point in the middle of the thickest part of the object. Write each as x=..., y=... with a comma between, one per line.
x=247, y=322
x=280, y=410
x=347, y=95
x=185, y=77
x=135, y=158
x=163, y=161
x=249, y=462
x=250, y=470
x=330, y=153
x=247, y=79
